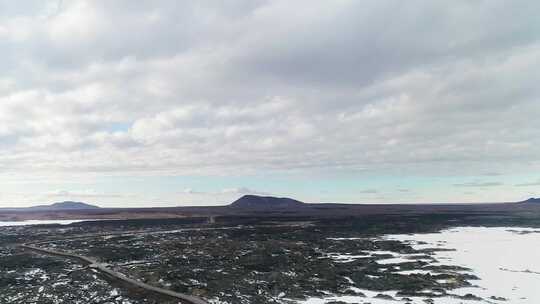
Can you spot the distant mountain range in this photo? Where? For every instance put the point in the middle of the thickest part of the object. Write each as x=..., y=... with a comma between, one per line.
x=248, y=202
x=67, y=205
x=265, y=202
x=245, y=202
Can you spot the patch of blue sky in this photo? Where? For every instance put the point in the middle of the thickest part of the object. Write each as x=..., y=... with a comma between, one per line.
x=118, y=127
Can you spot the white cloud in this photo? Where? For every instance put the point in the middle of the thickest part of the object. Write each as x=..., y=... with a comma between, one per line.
x=479, y=184
x=531, y=184
x=254, y=86
x=242, y=190
x=86, y=194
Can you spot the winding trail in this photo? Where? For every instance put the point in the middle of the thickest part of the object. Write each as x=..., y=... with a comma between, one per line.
x=186, y=299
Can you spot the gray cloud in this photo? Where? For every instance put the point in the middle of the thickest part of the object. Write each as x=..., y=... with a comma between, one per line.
x=479, y=184
x=369, y=191
x=86, y=194
x=532, y=184
x=242, y=190
x=252, y=86
x=225, y=191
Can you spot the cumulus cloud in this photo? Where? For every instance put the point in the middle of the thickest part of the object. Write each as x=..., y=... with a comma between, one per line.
x=244, y=87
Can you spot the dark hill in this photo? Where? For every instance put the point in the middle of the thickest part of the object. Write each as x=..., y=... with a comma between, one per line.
x=68, y=205
x=266, y=202
x=532, y=200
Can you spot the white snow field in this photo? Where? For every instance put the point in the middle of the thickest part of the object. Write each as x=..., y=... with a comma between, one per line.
x=507, y=261
x=40, y=222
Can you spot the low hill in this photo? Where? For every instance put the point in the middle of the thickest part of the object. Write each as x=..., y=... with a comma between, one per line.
x=531, y=200
x=67, y=205
x=265, y=202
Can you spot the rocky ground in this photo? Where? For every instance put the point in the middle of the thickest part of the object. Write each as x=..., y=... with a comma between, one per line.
x=235, y=261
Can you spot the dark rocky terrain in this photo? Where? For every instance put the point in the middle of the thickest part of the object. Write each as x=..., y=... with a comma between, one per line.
x=257, y=250
x=238, y=259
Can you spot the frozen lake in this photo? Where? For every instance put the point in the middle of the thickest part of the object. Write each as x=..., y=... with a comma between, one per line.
x=40, y=222
x=507, y=261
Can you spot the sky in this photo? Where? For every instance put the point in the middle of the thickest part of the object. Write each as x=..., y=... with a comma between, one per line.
x=168, y=103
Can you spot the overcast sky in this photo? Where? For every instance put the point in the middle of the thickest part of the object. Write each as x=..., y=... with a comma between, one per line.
x=159, y=103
